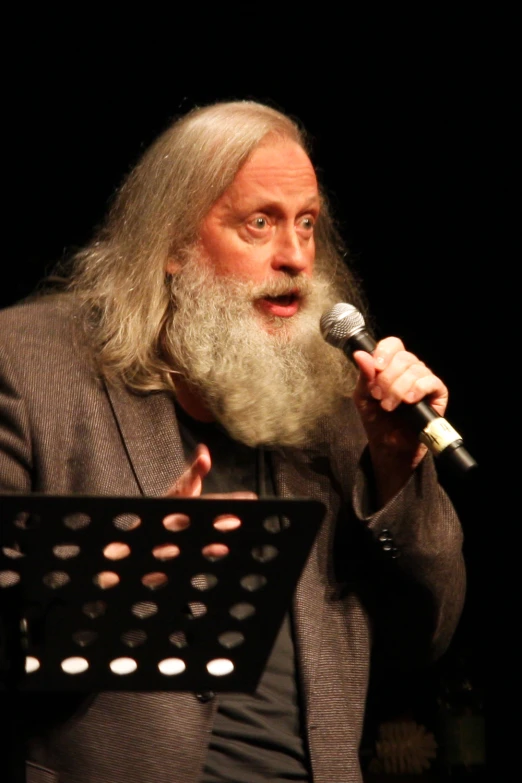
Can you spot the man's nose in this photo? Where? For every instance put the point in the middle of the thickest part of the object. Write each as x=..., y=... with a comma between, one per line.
x=292, y=254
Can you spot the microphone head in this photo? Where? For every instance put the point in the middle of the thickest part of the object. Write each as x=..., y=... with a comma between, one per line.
x=341, y=322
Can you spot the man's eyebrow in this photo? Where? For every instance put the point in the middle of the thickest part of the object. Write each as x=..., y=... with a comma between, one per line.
x=257, y=204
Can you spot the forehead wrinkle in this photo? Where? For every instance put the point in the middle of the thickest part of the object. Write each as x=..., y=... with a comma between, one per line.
x=266, y=179
x=264, y=196
x=274, y=178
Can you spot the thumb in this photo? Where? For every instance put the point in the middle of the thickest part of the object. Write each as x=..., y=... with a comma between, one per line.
x=366, y=364
x=190, y=483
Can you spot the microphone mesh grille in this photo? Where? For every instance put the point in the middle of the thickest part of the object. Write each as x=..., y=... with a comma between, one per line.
x=340, y=322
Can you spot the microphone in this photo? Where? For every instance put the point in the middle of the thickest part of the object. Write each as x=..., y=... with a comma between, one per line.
x=343, y=327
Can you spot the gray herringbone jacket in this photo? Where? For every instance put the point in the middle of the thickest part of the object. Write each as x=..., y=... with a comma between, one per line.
x=62, y=430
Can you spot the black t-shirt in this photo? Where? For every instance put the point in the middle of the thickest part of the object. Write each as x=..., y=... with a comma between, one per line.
x=256, y=737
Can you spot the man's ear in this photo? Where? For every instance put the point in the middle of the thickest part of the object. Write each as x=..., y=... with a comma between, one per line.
x=172, y=266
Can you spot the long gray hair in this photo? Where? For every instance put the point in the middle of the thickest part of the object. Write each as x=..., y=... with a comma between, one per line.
x=119, y=278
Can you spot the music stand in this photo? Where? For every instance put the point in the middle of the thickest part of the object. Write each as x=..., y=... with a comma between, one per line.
x=133, y=593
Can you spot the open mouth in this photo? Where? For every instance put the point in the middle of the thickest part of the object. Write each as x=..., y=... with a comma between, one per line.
x=284, y=305
x=284, y=300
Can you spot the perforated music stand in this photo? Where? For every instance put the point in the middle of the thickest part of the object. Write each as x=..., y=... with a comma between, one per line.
x=117, y=593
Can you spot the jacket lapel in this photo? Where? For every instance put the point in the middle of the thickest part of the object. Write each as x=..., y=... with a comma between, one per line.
x=299, y=478
x=150, y=434
x=149, y=430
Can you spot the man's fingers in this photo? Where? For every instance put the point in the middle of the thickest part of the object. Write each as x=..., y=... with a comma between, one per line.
x=239, y=495
x=190, y=483
x=215, y=551
x=226, y=522
x=176, y=522
x=392, y=375
x=372, y=364
x=385, y=351
x=366, y=365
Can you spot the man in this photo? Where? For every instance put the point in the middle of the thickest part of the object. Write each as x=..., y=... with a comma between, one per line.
x=190, y=326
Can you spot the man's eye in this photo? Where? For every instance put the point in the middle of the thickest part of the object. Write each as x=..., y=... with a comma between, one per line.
x=259, y=222
x=307, y=223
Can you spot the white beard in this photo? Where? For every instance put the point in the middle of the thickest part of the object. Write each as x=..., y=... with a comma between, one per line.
x=267, y=380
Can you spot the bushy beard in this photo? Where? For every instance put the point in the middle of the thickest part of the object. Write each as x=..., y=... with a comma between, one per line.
x=266, y=380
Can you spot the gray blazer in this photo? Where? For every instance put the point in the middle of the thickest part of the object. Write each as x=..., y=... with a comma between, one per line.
x=63, y=430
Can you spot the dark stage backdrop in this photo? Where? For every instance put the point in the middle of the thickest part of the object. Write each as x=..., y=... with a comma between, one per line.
x=401, y=158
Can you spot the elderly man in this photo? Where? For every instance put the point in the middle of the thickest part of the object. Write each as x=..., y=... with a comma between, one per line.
x=184, y=357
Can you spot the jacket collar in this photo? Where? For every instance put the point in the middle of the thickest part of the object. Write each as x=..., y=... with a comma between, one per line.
x=149, y=430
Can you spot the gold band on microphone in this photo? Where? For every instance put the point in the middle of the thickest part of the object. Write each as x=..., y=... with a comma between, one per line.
x=438, y=434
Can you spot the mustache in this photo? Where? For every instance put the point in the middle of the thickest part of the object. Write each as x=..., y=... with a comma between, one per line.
x=194, y=274
x=288, y=285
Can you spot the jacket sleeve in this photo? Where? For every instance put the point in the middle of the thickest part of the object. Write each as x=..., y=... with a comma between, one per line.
x=404, y=561
x=15, y=439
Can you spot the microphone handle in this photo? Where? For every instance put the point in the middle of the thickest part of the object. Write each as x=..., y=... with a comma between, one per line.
x=434, y=431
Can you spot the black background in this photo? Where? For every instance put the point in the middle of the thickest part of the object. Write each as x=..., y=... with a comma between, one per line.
x=408, y=131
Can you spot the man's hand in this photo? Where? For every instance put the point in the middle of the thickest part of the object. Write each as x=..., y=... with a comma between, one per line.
x=190, y=484
x=389, y=377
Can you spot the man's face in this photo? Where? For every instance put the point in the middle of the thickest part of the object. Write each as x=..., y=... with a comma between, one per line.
x=261, y=229
x=253, y=267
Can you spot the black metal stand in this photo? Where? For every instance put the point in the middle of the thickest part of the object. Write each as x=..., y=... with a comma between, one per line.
x=111, y=593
